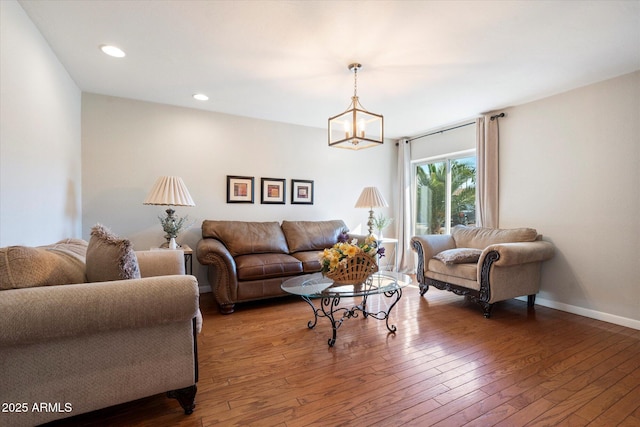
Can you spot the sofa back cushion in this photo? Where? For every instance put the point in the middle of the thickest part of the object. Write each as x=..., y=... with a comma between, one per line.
x=242, y=238
x=58, y=264
x=481, y=237
x=312, y=235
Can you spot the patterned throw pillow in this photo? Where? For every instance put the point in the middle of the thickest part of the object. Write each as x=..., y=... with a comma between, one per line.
x=110, y=257
x=459, y=256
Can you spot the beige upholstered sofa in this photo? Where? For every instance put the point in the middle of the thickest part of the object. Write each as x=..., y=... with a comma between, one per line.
x=68, y=347
x=488, y=265
x=249, y=260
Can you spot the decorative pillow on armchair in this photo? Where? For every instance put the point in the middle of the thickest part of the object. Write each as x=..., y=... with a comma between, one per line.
x=459, y=256
x=110, y=257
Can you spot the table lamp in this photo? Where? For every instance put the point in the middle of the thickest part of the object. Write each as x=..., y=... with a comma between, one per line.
x=170, y=191
x=371, y=198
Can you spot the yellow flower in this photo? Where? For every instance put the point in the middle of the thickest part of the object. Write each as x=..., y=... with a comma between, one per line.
x=336, y=256
x=333, y=263
x=350, y=251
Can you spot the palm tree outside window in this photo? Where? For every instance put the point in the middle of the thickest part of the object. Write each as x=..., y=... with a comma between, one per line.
x=445, y=188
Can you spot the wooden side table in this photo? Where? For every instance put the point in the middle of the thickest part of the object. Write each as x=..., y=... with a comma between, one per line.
x=188, y=259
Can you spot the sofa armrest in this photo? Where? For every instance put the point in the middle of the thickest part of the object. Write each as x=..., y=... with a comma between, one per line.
x=160, y=262
x=222, y=270
x=426, y=246
x=519, y=253
x=432, y=244
x=207, y=249
x=49, y=312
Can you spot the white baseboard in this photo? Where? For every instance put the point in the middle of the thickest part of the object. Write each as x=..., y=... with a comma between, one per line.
x=586, y=312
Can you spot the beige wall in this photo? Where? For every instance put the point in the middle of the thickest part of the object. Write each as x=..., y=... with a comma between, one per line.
x=570, y=167
x=127, y=144
x=39, y=137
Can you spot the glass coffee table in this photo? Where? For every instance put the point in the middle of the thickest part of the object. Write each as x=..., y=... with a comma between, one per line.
x=314, y=286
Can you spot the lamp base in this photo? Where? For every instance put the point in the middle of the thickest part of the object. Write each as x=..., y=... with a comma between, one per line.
x=167, y=244
x=370, y=222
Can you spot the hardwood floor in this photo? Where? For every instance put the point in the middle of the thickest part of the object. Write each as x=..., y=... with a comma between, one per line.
x=445, y=366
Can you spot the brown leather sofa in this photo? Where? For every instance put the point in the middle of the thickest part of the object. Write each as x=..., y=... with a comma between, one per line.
x=248, y=261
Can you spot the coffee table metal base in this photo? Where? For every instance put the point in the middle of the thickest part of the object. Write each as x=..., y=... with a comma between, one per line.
x=336, y=315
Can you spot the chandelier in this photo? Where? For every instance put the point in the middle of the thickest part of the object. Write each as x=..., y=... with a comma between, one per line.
x=356, y=128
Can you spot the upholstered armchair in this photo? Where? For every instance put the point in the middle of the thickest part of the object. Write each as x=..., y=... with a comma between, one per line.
x=488, y=265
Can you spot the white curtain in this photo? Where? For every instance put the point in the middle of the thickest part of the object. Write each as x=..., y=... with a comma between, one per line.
x=487, y=189
x=406, y=257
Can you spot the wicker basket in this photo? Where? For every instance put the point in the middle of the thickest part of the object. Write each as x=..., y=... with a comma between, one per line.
x=355, y=272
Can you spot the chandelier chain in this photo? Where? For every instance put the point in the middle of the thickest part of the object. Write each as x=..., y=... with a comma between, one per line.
x=355, y=82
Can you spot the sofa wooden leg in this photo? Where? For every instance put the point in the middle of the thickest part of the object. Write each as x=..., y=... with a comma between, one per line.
x=227, y=308
x=531, y=300
x=423, y=289
x=486, y=308
x=186, y=397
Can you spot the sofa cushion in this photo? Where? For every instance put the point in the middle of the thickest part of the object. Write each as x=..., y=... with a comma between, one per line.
x=468, y=271
x=58, y=264
x=242, y=238
x=110, y=257
x=264, y=266
x=312, y=235
x=310, y=261
x=459, y=255
x=480, y=237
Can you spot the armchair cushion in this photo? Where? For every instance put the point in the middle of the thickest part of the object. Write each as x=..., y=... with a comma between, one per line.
x=110, y=257
x=459, y=256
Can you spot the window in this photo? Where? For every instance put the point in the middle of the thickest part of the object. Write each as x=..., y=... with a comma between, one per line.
x=445, y=187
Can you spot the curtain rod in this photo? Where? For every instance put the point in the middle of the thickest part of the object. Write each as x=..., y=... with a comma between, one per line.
x=440, y=131
x=494, y=117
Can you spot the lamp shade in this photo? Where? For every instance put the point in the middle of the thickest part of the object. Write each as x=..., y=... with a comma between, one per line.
x=169, y=191
x=371, y=198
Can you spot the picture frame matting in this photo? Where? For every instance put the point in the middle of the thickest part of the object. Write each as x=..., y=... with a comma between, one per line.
x=240, y=189
x=301, y=192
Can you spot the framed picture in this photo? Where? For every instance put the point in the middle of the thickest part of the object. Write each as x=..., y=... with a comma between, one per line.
x=239, y=189
x=273, y=190
x=301, y=192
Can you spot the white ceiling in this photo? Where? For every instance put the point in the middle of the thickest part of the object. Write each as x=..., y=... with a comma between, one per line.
x=426, y=64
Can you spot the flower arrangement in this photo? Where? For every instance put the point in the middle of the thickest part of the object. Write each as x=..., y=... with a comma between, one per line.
x=172, y=225
x=338, y=256
x=381, y=222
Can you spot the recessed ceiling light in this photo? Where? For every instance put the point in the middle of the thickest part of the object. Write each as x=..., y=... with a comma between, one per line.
x=116, y=52
x=201, y=97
